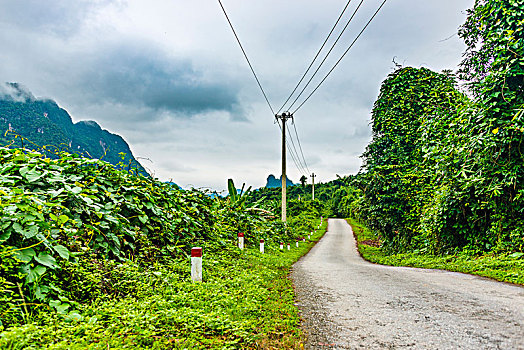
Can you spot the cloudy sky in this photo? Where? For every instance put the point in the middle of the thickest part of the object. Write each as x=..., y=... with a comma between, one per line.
x=170, y=78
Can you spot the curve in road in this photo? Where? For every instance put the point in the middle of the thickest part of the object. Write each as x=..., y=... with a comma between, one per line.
x=349, y=303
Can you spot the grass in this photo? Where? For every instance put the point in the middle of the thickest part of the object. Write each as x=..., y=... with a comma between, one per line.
x=245, y=302
x=501, y=267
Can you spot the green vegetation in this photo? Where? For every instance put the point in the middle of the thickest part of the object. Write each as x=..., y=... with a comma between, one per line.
x=504, y=267
x=332, y=199
x=245, y=301
x=92, y=256
x=43, y=126
x=444, y=171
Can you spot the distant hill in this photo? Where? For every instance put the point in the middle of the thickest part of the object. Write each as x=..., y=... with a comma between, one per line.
x=273, y=182
x=44, y=123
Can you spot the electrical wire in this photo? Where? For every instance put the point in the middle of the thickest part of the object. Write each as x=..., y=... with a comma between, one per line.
x=297, y=163
x=302, y=171
x=296, y=152
x=327, y=54
x=300, y=146
x=245, y=55
x=316, y=56
x=341, y=57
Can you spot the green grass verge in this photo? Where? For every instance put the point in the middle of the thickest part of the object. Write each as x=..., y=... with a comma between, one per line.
x=502, y=267
x=245, y=302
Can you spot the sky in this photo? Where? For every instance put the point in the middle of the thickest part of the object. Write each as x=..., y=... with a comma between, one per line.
x=170, y=78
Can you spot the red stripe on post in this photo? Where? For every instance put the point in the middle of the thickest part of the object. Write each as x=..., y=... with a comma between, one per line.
x=241, y=234
x=261, y=240
x=196, y=252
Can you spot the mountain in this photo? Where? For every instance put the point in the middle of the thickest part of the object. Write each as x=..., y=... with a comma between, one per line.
x=272, y=182
x=43, y=123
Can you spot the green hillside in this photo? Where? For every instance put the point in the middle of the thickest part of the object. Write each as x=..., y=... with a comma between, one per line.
x=42, y=125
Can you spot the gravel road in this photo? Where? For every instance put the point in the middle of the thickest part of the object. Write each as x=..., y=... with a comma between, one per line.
x=348, y=303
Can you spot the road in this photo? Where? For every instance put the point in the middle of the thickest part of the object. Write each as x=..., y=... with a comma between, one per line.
x=348, y=303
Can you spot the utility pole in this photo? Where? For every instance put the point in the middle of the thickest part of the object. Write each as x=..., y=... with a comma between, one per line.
x=313, y=190
x=284, y=117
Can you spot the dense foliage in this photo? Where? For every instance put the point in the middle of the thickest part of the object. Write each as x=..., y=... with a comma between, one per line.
x=245, y=302
x=445, y=171
x=332, y=199
x=67, y=223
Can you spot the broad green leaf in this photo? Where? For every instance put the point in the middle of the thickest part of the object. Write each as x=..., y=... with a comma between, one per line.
x=76, y=190
x=62, y=219
x=24, y=170
x=54, y=303
x=87, y=199
x=35, y=273
x=28, y=218
x=30, y=231
x=46, y=259
x=55, y=193
x=112, y=219
x=41, y=292
x=18, y=228
x=24, y=255
x=4, y=236
x=143, y=218
x=74, y=316
x=33, y=175
x=62, y=308
x=62, y=251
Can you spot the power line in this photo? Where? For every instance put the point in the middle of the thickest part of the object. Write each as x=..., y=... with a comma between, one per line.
x=290, y=150
x=316, y=56
x=296, y=154
x=300, y=146
x=245, y=55
x=297, y=163
x=341, y=57
x=295, y=149
x=328, y=53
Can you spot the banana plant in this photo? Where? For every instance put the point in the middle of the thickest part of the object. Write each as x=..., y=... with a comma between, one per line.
x=237, y=198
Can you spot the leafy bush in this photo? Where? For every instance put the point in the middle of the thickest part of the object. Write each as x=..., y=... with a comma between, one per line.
x=68, y=224
x=444, y=171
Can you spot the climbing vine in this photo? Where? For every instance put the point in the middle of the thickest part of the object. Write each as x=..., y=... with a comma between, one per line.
x=444, y=169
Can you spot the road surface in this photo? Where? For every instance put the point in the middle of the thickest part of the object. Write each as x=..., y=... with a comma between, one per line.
x=348, y=303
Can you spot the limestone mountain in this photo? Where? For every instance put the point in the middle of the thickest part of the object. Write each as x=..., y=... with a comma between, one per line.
x=273, y=182
x=43, y=123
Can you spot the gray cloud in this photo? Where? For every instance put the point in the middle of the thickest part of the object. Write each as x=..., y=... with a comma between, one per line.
x=142, y=75
x=15, y=92
x=169, y=77
x=57, y=17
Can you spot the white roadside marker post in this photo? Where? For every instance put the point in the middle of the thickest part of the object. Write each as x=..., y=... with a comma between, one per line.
x=288, y=247
x=262, y=246
x=309, y=235
x=297, y=242
x=303, y=239
x=196, y=264
x=241, y=240
x=281, y=245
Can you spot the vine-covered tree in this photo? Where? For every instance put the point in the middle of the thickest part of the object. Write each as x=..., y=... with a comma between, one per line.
x=442, y=171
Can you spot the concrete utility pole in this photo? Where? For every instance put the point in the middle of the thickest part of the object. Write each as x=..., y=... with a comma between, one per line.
x=284, y=117
x=313, y=190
